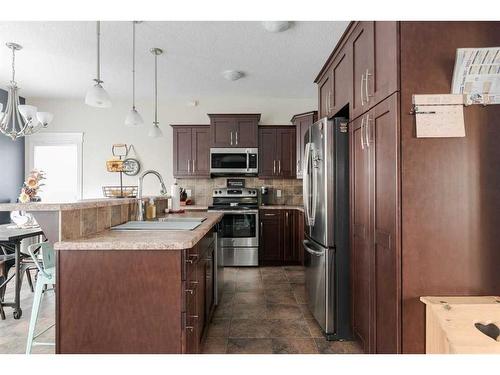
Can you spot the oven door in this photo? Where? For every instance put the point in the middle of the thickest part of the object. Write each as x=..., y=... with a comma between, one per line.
x=227, y=161
x=239, y=229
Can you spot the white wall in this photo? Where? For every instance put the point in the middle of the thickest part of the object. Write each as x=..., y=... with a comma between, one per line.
x=104, y=127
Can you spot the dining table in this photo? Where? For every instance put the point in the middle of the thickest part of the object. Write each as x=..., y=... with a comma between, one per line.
x=11, y=238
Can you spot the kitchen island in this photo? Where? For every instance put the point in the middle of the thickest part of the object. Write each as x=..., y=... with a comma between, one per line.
x=136, y=291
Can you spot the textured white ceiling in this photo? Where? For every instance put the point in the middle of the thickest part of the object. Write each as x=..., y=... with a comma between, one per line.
x=59, y=58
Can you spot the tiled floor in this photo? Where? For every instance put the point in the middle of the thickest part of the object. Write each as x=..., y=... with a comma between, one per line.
x=262, y=311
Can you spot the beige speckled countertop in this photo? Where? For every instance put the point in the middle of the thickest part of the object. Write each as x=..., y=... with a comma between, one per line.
x=65, y=206
x=142, y=240
x=281, y=207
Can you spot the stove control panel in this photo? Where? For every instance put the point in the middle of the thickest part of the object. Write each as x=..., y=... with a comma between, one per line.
x=232, y=192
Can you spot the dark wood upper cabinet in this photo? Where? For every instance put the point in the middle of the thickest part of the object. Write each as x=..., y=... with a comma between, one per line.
x=325, y=89
x=362, y=47
x=182, y=140
x=191, y=151
x=234, y=130
x=341, y=77
x=373, y=46
x=200, y=151
x=286, y=152
x=277, y=149
x=267, y=151
x=302, y=122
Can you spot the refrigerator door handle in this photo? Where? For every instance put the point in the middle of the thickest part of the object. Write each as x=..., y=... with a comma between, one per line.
x=312, y=251
x=305, y=184
x=314, y=172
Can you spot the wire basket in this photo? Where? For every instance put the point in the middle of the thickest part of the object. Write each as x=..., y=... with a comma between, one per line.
x=119, y=191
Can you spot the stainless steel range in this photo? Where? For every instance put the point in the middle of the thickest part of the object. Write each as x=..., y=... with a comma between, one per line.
x=238, y=233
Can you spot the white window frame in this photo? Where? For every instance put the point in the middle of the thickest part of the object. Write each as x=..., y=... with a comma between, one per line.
x=51, y=139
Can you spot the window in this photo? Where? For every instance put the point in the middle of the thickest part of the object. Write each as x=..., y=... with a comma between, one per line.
x=59, y=155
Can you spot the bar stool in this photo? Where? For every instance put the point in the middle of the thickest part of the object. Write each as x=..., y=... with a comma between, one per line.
x=46, y=276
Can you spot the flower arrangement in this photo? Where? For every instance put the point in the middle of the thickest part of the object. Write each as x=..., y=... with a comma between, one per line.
x=31, y=186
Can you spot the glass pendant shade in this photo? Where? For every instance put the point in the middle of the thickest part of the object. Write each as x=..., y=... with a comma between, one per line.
x=98, y=97
x=134, y=118
x=45, y=118
x=155, y=132
x=27, y=111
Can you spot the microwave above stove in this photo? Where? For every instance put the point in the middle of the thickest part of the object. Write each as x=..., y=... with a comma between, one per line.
x=234, y=161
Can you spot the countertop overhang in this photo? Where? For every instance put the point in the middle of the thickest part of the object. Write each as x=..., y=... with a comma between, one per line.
x=145, y=240
x=75, y=205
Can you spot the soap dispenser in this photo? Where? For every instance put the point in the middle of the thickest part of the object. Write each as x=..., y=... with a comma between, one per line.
x=151, y=210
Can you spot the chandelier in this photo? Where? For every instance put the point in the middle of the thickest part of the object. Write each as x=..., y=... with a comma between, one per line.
x=20, y=120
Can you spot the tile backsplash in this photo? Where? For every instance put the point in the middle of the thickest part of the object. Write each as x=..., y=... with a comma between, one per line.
x=201, y=189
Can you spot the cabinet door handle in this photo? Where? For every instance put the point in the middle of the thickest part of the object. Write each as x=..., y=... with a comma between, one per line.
x=274, y=166
x=366, y=86
x=189, y=165
x=269, y=215
x=192, y=258
x=279, y=166
x=231, y=138
x=193, y=166
x=298, y=166
x=189, y=328
x=361, y=89
x=261, y=229
x=236, y=137
x=190, y=291
x=362, y=137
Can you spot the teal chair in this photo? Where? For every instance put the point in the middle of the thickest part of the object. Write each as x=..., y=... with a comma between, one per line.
x=46, y=276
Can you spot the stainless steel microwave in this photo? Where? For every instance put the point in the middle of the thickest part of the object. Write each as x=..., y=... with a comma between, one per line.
x=234, y=161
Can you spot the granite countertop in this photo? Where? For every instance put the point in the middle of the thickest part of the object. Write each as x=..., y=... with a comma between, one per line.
x=64, y=206
x=145, y=240
x=282, y=207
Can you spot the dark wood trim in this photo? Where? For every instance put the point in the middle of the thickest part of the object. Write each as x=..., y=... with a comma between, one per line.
x=299, y=115
x=233, y=115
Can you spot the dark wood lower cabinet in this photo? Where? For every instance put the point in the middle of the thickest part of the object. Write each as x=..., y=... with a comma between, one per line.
x=126, y=301
x=281, y=233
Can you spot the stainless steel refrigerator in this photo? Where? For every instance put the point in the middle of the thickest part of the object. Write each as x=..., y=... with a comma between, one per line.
x=326, y=216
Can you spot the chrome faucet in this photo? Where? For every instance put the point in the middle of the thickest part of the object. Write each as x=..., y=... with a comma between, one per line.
x=163, y=191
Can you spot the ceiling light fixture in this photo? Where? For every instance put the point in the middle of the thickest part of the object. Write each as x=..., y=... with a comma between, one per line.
x=155, y=131
x=133, y=118
x=20, y=120
x=276, y=26
x=232, y=75
x=96, y=95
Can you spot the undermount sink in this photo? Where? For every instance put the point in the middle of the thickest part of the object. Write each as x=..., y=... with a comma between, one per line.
x=163, y=224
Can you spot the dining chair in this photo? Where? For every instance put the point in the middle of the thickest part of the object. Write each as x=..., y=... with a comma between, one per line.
x=46, y=276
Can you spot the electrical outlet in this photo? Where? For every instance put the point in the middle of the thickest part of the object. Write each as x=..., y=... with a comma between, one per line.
x=278, y=193
x=188, y=192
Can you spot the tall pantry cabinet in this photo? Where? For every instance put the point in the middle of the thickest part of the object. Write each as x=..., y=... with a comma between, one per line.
x=422, y=211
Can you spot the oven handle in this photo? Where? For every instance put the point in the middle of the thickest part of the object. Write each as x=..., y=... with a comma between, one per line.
x=236, y=211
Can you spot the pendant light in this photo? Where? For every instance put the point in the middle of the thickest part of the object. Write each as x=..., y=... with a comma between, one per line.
x=155, y=131
x=20, y=120
x=133, y=118
x=96, y=95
